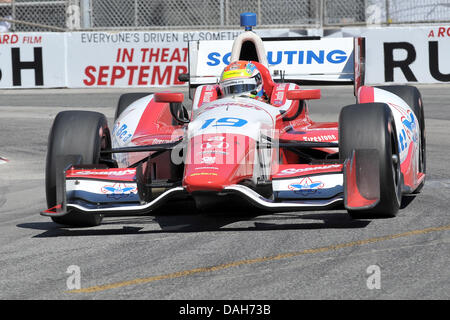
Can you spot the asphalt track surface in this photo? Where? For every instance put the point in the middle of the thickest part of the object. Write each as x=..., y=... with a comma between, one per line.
x=182, y=255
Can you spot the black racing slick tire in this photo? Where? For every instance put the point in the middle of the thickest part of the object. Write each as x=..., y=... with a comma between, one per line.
x=126, y=99
x=372, y=126
x=411, y=95
x=74, y=133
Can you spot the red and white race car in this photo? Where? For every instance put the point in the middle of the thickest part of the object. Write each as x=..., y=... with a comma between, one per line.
x=267, y=154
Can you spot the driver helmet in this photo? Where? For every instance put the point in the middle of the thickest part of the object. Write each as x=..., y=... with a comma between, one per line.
x=241, y=78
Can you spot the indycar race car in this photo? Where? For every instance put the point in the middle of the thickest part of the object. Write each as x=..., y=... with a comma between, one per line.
x=266, y=153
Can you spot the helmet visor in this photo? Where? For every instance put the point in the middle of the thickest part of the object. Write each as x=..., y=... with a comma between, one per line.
x=238, y=88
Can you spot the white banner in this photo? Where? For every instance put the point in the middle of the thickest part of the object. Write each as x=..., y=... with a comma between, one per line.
x=416, y=54
x=404, y=54
x=325, y=59
x=32, y=60
x=126, y=59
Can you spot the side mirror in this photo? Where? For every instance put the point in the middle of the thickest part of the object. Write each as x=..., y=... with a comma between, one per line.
x=169, y=97
x=303, y=94
x=175, y=99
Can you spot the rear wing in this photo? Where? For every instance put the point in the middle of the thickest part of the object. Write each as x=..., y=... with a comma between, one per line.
x=318, y=60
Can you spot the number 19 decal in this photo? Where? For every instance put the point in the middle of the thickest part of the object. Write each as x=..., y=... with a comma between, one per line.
x=224, y=122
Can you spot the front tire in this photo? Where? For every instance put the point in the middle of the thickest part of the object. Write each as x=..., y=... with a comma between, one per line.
x=126, y=99
x=81, y=133
x=372, y=126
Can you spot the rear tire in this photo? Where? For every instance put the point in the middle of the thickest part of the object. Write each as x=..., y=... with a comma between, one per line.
x=411, y=95
x=126, y=99
x=372, y=126
x=81, y=133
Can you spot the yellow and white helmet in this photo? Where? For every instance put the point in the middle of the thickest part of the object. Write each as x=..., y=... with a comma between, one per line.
x=241, y=78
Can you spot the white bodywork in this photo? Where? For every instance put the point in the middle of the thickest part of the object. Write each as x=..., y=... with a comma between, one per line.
x=406, y=123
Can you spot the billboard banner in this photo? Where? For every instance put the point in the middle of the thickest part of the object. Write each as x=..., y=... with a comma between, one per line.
x=32, y=60
x=394, y=55
x=126, y=59
x=321, y=60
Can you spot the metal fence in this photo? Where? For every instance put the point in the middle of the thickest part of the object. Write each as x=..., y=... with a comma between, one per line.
x=29, y=15
x=418, y=11
x=59, y=15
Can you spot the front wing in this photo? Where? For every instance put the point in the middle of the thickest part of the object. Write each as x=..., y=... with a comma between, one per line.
x=295, y=188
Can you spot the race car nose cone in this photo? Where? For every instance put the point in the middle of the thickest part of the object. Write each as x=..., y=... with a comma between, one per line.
x=248, y=20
